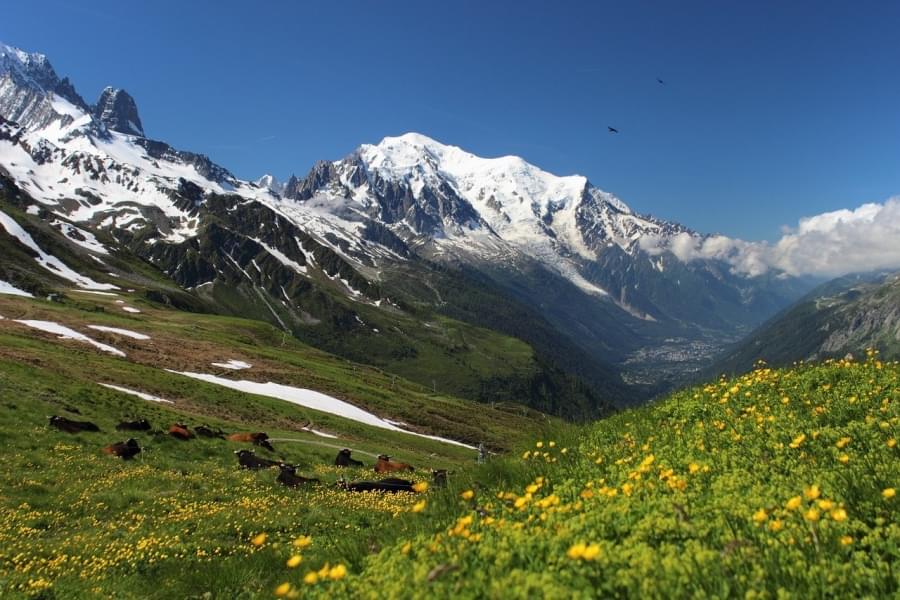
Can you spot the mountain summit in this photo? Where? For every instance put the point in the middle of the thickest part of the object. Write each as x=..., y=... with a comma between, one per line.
x=117, y=110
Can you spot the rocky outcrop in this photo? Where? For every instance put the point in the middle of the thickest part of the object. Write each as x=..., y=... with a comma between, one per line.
x=117, y=110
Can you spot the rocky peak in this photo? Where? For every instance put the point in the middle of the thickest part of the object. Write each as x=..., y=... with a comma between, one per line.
x=117, y=110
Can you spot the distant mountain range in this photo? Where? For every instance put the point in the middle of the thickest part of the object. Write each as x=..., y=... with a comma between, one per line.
x=845, y=316
x=408, y=254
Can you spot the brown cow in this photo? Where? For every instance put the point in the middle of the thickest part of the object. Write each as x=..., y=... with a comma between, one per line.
x=259, y=439
x=180, y=431
x=124, y=450
x=386, y=465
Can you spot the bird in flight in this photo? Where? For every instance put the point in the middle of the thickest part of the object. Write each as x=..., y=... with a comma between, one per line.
x=612, y=129
x=660, y=81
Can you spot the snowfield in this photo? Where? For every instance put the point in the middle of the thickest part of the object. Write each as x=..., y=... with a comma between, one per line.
x=235, y=365
x=310, y=399
x=48, y=261
x=127, y=333
x=8, y=288
x=140, y=395
x=65, y=333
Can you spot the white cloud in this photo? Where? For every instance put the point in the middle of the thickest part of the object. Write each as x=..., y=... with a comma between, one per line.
x=831, y=244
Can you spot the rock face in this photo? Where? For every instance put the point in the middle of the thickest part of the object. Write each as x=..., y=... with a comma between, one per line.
x=117, y=110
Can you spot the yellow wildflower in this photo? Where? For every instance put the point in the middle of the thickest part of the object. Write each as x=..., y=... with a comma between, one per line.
x=303, y=541
x=891, y=443
x=842, y=442
x=576, y=551
x=294, y=561
x=551, y=444
x=419, y=506
x=811, y=515
x=812, y=492
x=259, y=540
x=846, y=540
x=888, y=493
x=839, y=514
x=420, y=486
x=591, y=552
x=844, y=459
x=467, y=495
x=760, y=516
x=337, y=572
x=406, y=548
x=794, y=503
x=539, y=445
x=283, y=589
x=311, y=578
x=776, y=525
x=795, y=443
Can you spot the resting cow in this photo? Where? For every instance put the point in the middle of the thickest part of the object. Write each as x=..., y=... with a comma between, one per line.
x=69, y=426
x=439, y=477
x=288, y=476
x=181, y=432
x=391, y=485
x=343, y=459
x=258, y=439
x=204, y=431
x=139, y=425
x=386, y=465
x=248, y=460
x=124, y=450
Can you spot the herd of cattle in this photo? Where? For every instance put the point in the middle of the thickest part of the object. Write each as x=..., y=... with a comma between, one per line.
x=247, y=459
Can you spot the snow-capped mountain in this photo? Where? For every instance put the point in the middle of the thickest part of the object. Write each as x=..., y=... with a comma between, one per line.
x=370, y=228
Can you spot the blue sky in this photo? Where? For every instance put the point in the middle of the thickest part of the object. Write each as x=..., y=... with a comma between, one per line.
x=771, y=111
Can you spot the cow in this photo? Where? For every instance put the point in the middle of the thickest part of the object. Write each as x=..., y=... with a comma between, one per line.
x=390, y=485
x=343, y=459
x=179, y=431
x=124, y=450
x=139, y=425
x=69, y=426
x=258, y=439
x=386, y=465
x=204, y=431
x=288, y=476
x=248, y=460
x=439, y=477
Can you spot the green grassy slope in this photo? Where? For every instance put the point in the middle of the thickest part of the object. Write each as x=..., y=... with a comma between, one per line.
x=776, y=484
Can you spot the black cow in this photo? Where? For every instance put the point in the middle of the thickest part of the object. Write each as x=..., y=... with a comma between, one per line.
x=140, y=425
x=204, y=431
x=248, y=460
x=343, y=459
x=69, y=426
x=124, y=450
x=439, y=477
x=391, y=485
x=288, y=476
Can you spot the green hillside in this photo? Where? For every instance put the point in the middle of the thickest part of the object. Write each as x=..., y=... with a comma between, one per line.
x=844, y=316
x=778, y=483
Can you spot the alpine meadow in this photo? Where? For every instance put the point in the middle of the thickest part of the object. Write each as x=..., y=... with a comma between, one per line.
x=348, y=308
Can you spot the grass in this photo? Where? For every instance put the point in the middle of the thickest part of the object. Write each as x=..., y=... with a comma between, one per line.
x=773, y=484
